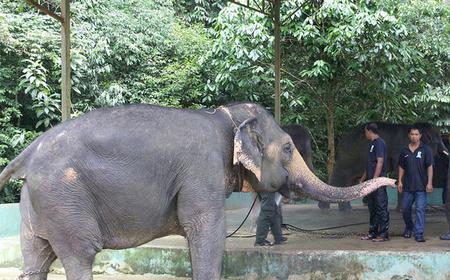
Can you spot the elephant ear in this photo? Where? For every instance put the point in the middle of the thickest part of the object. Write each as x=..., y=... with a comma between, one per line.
x=248, y=147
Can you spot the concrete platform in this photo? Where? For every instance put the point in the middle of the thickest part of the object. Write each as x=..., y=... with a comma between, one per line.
x=328, y=254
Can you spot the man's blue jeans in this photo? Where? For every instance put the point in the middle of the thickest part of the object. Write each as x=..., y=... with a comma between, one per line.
x=420, y=198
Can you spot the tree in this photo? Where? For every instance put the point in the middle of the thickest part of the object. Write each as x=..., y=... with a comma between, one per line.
x=148, y=56
x=344, y=63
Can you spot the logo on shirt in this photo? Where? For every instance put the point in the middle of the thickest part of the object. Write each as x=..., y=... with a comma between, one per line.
x=406, y=156
x=371, y=148
x=419, y=155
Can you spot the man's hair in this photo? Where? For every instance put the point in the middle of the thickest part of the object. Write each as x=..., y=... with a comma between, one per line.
x=414, y=127
x=372, y=127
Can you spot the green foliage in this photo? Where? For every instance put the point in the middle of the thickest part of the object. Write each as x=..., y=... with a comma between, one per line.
x=122, y=52
x=241, y=57
x=351, y=61
x=342, y=60
x=199, y=11
x=45, y=102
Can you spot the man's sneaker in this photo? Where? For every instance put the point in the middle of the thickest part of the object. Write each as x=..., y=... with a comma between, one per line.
x=445, y=236
x=281, y=241
x=368, y=237
x=380, y=239
x=264, y=243
x=407, y=234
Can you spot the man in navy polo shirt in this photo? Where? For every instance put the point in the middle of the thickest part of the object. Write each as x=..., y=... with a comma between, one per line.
x=415, y=176
x=377, y=200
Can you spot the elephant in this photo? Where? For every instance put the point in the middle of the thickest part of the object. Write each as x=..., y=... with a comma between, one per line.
x=441, y=165
x=302, y=141
x=120, y=177
x=351, y=153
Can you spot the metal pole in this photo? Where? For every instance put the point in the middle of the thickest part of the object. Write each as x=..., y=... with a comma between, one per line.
x=277, y=31
x=65, y=60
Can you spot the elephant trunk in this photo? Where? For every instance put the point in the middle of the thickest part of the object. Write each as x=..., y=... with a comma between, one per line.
x=307, y=184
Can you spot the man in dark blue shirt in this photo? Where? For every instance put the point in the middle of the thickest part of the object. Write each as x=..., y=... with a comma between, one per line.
x=415, y=176
x=377, y=200
x=447, y=198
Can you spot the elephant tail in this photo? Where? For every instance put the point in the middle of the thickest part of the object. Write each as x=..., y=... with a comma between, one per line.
x=13, y=170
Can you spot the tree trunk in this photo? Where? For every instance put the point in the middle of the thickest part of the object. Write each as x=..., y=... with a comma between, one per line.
x=330, y=132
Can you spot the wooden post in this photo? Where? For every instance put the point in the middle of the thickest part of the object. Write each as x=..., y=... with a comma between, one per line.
x=65, y=60
x=277, y=34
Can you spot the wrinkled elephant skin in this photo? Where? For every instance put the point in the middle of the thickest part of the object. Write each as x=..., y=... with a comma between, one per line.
x=120, y=177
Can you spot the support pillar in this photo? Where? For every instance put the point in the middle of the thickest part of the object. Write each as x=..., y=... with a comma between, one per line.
x=65, y=61
x=277, y=35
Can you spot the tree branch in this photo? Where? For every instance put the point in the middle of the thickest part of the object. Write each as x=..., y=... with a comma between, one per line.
x=45, y=10
x=251, y=8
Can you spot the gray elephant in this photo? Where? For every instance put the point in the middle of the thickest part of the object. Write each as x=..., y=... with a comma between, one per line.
x=302, y=140
x=119, y=177
x=351, y=152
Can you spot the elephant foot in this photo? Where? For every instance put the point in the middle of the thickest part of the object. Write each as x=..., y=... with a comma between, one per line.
x=345, y=207
x=323, y=205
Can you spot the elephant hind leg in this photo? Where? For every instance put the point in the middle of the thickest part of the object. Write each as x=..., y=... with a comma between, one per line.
x=37, y=253
x=76, y=260
x=76, y=249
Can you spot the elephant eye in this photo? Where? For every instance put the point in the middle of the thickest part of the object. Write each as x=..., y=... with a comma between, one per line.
x=287, y=149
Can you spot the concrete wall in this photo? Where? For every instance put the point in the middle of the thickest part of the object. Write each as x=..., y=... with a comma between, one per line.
x=261, y=264
x=9, y=219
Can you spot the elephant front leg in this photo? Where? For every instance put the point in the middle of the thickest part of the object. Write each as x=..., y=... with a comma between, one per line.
x=204, y=226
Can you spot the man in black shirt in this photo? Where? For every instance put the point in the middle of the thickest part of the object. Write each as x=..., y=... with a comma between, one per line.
x=447, y=198
x=269, y=218
x=415, y=176
x=377, y=200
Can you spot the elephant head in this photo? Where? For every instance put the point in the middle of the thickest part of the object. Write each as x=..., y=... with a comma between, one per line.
x=272, y=161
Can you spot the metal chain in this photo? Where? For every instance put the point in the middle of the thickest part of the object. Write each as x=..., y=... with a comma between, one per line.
x=31, y=273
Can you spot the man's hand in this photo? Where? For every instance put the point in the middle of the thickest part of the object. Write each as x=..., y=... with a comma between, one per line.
x=400, y=187
x=429, y=188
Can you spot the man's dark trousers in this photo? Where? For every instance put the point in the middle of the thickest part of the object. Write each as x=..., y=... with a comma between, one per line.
x=447, y=199
x=379, y=214
x=269, y=218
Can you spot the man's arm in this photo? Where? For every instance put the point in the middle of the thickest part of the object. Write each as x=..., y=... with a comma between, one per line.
x=430, y=178
x=429, y=163
x=363, y=177
x=378, y=168
x=401, y=172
